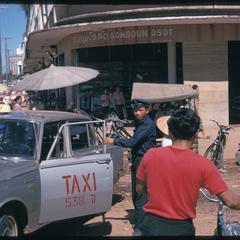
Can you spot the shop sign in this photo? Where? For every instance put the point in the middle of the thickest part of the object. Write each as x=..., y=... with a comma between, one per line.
x=150, y=33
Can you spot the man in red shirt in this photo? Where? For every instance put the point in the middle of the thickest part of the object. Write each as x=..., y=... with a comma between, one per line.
x=172, y=177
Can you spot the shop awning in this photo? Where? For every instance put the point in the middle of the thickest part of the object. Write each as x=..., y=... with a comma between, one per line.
x=161, y=92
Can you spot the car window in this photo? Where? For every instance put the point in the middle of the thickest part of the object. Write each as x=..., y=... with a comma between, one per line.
x=17, y=139
x=79, y=136
x=49, y=133
x=82, y=136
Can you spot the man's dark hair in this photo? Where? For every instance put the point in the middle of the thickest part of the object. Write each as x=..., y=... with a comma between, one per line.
x=17, y=98
x=194, y=86
x=184, y=123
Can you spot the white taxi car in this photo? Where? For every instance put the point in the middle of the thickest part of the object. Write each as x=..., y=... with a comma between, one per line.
x=52, y=167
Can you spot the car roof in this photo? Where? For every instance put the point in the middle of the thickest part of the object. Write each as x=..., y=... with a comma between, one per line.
x=44, y=116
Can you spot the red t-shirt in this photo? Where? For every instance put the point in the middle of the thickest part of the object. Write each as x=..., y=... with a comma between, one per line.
x=174, y=177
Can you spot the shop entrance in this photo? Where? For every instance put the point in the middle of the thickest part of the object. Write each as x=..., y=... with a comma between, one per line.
x=121, y=66
x=234, y=81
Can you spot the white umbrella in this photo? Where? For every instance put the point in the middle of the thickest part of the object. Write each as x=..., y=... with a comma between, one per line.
x=162, y=92
x=56, y=77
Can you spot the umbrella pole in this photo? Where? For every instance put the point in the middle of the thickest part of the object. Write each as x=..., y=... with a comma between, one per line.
x=58, y=98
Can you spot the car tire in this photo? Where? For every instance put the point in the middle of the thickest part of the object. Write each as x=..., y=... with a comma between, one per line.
x=8, y=224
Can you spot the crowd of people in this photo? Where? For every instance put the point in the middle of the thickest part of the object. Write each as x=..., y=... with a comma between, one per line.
x=113, y=101
x=23, y=100
x=26, y=100
x=14, y=101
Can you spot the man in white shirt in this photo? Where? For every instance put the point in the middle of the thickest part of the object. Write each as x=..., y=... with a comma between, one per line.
x=118, y=101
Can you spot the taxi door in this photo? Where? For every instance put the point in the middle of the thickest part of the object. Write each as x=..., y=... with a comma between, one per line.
x=74, y=186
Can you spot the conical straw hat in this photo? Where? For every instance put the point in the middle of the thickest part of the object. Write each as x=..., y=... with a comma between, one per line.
x=3, y=88
x=162, y=124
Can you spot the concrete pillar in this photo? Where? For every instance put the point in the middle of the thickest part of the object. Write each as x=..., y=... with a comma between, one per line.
x=41, y=26
x=69, y=95
x=172, y=78
x=69, y=90
x=54, y=15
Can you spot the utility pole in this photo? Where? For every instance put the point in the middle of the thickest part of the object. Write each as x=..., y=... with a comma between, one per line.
x=8, y=67
x=11, y=68
x=1, y=79
x=6, y=57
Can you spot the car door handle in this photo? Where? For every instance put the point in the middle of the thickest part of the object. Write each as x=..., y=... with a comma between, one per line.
x=96, y=151
x=30, y=180
x=106, y=161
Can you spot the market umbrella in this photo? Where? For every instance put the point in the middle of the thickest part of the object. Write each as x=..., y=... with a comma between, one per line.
x=56, y=77
x=162, y=92
x=3, y=88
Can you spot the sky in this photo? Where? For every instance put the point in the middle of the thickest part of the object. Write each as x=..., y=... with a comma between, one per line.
x=12, y=25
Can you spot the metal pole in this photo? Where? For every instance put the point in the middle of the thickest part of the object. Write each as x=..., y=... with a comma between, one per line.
x=1, y=79
x=9, y=70
x=6, y=57
x=6, y=60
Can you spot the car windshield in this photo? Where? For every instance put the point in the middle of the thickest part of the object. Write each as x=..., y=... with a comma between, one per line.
x=17, y=139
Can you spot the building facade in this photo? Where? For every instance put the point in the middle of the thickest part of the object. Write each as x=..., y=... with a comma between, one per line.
x=16, y=62
x=175, y=43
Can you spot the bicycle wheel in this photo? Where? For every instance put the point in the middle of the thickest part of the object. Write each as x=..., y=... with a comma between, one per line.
x=219, y=156
x=224, y=140
x=215, y=153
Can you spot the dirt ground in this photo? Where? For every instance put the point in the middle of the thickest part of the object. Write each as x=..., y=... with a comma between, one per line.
x=121, y=215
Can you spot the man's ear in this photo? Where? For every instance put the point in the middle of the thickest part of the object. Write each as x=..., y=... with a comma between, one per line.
x=195, y=135
x=198, y=131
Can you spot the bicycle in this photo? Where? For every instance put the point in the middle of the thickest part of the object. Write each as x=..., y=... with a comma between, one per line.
x=215, y=151
x=114, y=126
x=223, y=228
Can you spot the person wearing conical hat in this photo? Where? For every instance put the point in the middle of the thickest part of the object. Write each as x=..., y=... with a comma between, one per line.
x=163, y=127
x=4, y=107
